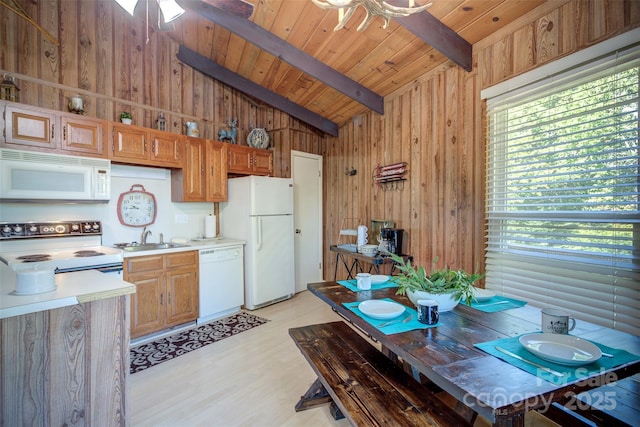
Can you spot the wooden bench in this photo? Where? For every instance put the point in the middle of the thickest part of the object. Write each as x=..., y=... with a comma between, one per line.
x=616, y=405
x=368, y=388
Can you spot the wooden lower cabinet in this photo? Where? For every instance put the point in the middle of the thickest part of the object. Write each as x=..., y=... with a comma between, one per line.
x=166, y=291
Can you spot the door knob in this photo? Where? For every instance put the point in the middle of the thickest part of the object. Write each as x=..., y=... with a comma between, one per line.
x=298, y=231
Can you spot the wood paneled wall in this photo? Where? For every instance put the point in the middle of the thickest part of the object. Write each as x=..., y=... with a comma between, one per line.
x=437, y=126
x=104, y=56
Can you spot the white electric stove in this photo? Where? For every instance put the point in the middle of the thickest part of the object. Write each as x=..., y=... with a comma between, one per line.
x=63, y=246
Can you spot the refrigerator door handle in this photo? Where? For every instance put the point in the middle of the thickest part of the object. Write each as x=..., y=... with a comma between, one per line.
x=259, y=237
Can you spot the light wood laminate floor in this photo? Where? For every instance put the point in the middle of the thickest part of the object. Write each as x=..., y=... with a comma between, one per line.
x=251, y=379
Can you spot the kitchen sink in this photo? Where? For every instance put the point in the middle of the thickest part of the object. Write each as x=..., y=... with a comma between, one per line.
x=152, y=247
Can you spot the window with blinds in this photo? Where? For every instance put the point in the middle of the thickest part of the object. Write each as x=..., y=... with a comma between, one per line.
x=563, y=191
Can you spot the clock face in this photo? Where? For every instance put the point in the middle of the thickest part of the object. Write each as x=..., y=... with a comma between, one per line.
x=137, y=208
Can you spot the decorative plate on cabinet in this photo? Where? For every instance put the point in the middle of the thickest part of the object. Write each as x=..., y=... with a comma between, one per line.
x=258, y=138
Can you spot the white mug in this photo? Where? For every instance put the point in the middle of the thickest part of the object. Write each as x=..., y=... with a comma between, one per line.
x=557, y=322
x=363, y=281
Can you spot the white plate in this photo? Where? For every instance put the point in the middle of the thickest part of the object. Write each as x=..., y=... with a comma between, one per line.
x=483, y=295
x=562, y=349
x=379, y=309
x=377, y=279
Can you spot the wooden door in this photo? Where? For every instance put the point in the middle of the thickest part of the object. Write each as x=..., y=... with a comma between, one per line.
x=129, y=144
x=166, y=149
x=30, y=127
x=82, y=135
x=189, y=183
x=262, y=162
x=148, y=304
x=182, y=296
x=239, y=159
x=216, y=169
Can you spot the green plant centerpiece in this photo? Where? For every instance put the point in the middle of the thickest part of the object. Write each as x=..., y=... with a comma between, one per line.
x=440, y=284
x=125, y=115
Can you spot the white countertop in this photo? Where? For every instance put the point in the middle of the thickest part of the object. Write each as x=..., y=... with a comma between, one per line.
x=84, y=286
x=71, y=288
x=192, y=245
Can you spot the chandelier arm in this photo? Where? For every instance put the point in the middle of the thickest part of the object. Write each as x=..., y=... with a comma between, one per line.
x=402, y=11
x=348, y=14
x=372, y=7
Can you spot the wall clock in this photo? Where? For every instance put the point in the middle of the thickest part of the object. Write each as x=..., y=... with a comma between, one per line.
x=137, y=207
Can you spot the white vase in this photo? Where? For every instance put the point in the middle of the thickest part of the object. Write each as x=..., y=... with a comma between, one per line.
x=126, y=121
x=446, y=302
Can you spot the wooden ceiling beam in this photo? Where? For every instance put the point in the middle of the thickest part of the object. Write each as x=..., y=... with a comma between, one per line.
x=236, y=81
x=436, y=34
x=288, y=53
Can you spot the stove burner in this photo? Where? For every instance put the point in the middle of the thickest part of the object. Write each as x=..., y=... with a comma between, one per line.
x=83, y=254
x=35, y=258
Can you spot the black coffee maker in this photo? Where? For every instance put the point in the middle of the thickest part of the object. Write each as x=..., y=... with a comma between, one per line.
x=392, y=237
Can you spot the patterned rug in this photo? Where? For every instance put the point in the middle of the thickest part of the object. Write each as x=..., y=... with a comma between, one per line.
x=146, y=355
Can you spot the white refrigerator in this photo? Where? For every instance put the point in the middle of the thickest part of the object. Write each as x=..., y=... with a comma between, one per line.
x=259, y=210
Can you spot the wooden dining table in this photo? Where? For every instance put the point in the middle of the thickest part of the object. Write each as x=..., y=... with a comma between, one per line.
x=446, y=355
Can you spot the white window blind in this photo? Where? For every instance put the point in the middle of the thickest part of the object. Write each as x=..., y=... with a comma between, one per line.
x=563, y=180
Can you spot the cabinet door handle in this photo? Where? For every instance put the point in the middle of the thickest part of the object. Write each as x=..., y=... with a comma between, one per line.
x=145, y=146
x=53, y=129
x=64, y=133
x=169, y=301
x=161, y=299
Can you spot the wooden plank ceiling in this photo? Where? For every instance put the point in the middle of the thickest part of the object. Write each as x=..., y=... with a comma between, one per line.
x=376, y=60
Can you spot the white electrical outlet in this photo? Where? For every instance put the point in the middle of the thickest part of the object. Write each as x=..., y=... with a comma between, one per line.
x=182, y=219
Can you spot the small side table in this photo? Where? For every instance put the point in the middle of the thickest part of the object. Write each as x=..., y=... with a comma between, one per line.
x=355, y=262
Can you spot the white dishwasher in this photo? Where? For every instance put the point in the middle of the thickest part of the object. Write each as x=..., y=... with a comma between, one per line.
x=221, y=282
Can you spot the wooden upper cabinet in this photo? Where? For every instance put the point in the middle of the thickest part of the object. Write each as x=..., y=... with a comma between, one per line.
x=216, y=170
x=82, y=135
x=143, y=146
x=244, y=160
x=188, y=184
x=32, y=128
x=27, y=127
x=166, y=148
x=203, y=177
x=262, y=162
x=128, y=143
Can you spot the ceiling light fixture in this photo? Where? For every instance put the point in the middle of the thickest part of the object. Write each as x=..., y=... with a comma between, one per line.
x=170, y=9
x=372, y=7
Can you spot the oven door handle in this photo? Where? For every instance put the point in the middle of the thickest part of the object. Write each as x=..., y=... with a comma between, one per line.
x=110, y=268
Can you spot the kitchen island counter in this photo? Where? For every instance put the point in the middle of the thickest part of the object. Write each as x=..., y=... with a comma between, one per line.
x=71, y=288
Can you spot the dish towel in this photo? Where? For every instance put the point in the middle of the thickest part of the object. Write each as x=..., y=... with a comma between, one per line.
x=394, y=328
x=572, y=373
x=496, y=303
x=351, y=284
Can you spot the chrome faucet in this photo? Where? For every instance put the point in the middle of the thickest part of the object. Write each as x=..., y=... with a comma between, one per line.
x=145, y=234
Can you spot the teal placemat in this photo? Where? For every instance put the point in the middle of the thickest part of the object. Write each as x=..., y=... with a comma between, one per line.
x=394, y=328
x=496, y=303
x=571, y=373
x=351, y=284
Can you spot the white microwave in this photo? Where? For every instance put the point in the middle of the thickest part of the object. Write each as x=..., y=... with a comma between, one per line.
x=38, y=177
